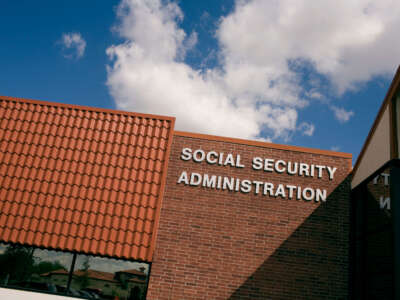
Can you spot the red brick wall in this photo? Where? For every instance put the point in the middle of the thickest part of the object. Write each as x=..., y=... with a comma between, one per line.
x=220, y=244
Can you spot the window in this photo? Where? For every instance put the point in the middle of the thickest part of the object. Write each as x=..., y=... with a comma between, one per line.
x=79, y=275
x=373, y=254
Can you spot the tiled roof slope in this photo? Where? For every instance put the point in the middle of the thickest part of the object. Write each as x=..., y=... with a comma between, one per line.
x=81, y=179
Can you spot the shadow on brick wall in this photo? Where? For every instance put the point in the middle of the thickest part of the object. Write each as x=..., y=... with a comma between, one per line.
x=313, y=262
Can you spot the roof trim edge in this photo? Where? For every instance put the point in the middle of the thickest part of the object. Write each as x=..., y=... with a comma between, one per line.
x=88, y=108
x=387, y=100
x=161, y=194
x=264, y=144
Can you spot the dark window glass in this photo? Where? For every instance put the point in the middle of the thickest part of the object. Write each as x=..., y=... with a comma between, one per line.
x=33, y=268
x=373, y=239
x=92, y=278
x=110, y=278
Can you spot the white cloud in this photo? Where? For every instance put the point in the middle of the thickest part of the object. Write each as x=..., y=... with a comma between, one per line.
x=306, y=129
x=190, y=42
x=73, y=45
x=341, y=114
x=147, y=75
x=313, y=94
x=335, y=148
x=255, y=92
x=348, y=41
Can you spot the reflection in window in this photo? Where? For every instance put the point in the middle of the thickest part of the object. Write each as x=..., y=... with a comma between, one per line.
x=28, y=267
x=56, y=272
x=110, y=278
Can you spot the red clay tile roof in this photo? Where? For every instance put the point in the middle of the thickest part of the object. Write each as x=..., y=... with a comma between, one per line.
x=81, y=179
x=94, y=274
x=133, y=271
x=59, y=272
x=137, y=280
x=100, y=275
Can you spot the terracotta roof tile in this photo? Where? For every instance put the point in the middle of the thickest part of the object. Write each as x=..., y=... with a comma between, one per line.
x=101, y=247
x=97, y=233
x=7, y=234
x=135, y=251
x=22, y=235
x=148, y=226
x=69, y=243
x=82, y=179
x=89, y=233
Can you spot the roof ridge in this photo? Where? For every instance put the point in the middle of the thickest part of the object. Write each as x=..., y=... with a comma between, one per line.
x=85, y=108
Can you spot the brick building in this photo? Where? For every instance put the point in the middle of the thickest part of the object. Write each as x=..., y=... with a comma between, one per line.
x=86, y=192
x=220, y=243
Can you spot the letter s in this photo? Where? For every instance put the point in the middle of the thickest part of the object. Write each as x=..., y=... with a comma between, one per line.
x=186, y=154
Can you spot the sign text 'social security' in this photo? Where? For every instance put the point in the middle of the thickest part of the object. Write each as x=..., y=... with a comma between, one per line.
x=259, y=187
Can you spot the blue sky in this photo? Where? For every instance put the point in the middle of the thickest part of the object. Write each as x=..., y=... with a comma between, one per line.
x=282, y=71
